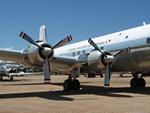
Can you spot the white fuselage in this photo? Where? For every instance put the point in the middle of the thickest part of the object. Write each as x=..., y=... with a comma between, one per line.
x=138, y=37
x=131, y=38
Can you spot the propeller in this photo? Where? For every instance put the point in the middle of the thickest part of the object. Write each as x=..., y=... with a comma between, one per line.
x=46, y=50
x=29, y=39
x=63, y=42
x=46, y=70
x=108, y=59
x=107, y=76
x=95, y=46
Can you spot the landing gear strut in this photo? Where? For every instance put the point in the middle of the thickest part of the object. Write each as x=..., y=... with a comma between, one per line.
x=1, y=78
x=11, y=78
x=137, y=82
x=71, y=84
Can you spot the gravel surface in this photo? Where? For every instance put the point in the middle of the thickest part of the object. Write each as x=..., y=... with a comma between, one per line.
x=29, y=95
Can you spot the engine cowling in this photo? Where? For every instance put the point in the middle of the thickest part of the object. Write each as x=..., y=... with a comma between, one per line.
x=98, y=59
x=35, y=56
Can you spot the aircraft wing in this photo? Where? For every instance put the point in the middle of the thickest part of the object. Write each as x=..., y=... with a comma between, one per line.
x=63, y=63
x=126, y=51
x=10, y=55
x=24, y=74
x=65, y=59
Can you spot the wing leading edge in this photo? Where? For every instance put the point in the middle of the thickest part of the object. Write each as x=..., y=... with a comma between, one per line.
x=11, y=55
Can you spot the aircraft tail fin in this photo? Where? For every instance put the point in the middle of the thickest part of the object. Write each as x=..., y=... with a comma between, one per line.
x=42, y=34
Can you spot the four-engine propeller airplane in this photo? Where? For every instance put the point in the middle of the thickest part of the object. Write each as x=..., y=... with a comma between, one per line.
x=124, y=51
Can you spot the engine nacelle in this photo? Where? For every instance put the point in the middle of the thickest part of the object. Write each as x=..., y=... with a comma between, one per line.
x=31, y=56
x=96, y=58
x=35, y=56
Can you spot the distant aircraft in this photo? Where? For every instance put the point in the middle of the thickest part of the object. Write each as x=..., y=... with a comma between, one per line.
x=10, y=69
x=123, y=51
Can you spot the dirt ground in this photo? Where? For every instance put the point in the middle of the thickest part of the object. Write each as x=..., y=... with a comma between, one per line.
x=29, y=95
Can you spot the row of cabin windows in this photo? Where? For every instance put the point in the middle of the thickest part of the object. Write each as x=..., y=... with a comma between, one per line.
x=78, y=53
x=82, y=52
x=102, y=47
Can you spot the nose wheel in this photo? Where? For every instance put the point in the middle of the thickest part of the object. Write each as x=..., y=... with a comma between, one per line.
x=137, y=82
x=71, y=85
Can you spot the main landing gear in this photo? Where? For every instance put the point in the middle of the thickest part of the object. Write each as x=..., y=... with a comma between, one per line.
x=71, y=84
x=137, y=82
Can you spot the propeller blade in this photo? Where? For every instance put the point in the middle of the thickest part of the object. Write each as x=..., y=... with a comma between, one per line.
x=95, y=46
x=63, y=42
x=46, y=71
x=107, y=76
x=29, y=39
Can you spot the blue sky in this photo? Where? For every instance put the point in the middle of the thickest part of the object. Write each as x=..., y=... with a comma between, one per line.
x=82, y=19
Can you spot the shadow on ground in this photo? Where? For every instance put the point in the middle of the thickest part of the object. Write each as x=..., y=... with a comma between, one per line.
x=16, y=80
x=122, y=92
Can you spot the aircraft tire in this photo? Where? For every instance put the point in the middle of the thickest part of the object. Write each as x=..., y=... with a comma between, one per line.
x=134, y=82
x=141, y=82
x=67, y=85
x=75, y=84
x=137, y=82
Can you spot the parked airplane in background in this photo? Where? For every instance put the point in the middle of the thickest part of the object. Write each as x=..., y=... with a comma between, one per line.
x=10, y=69
x=4, y=69
x=123, y=51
